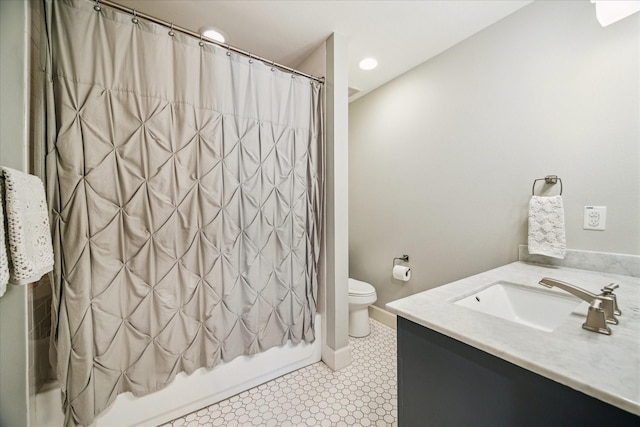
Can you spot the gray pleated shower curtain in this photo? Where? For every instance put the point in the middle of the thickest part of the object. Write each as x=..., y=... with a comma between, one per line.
x=185, y=185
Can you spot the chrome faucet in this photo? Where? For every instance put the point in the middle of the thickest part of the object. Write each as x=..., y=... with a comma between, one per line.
x=603, y=308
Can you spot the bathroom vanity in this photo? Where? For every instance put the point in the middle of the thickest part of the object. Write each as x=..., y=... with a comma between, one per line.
x=459, y=366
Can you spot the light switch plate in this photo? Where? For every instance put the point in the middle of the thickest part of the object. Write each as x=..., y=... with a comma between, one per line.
x=595, y=218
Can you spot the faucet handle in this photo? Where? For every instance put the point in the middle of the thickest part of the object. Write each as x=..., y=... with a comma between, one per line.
x=596, y=319
x=607, y=291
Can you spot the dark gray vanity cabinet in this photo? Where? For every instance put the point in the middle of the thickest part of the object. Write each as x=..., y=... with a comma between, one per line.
x=444, y=382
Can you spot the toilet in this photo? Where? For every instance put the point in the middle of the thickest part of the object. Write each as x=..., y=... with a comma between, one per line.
x=361, y=296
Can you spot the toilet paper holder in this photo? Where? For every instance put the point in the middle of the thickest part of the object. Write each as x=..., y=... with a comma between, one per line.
x=404, y=258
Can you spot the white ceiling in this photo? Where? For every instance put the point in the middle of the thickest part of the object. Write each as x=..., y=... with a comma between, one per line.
x=399, y=34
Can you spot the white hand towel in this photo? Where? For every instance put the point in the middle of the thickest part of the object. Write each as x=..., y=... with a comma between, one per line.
x=546, y=226
x=30, y=252
x=4, y=261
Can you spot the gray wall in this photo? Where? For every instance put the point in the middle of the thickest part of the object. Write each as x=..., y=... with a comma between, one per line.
x=442, y=159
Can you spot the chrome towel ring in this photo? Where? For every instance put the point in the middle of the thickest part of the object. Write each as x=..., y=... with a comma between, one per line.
x=549, y=179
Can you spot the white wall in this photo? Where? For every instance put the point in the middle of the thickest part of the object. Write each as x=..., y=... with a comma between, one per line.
x=336, y=353
x=14, y=75
x=442, y=159
x=316, y=63
x=329, y=60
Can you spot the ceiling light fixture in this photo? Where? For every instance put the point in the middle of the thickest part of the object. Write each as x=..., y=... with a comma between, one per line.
x=214, y=34
x=368, y=64
x=611, y=11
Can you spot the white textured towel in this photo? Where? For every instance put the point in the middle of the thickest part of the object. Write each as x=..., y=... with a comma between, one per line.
x=4, y=261
x=28, y=237
x=546, y=226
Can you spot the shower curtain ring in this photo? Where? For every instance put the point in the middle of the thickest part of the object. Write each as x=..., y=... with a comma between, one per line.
x=201, y=42
x=228, y=50
x=135, y=17
x=250, y=59
x=97, y=7
x=273, y=65
x=171, y=33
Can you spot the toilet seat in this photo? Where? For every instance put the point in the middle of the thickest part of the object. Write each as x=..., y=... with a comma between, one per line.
x=360, y=289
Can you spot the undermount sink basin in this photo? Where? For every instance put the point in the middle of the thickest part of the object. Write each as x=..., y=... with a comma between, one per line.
x=536, y=308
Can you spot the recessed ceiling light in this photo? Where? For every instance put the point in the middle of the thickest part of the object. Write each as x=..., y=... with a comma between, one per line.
x=214, y=34
x=368, y=64
x=612, y=11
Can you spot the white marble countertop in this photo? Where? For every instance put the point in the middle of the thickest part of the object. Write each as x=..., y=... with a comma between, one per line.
x=606, y=367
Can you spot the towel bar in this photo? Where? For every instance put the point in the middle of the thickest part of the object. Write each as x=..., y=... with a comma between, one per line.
x=549, y=179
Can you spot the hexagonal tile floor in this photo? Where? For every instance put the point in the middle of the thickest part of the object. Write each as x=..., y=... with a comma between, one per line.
x=362, y=394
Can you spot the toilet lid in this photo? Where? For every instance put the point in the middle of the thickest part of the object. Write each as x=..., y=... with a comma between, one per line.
x=356, y=287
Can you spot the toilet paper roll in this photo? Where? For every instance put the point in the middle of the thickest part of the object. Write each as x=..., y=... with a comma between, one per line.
x=400, y=272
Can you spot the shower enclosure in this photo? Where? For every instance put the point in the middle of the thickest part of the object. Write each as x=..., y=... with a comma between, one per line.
x=24, y=369
x=257, y=148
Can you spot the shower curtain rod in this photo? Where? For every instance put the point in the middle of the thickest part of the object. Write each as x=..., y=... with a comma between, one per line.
x=173, y=27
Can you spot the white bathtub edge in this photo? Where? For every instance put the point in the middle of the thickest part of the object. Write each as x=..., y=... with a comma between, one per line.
x=188, y=393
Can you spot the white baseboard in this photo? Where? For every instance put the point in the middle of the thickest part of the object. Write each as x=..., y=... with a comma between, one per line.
x=382, y=316
x=336, y=359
